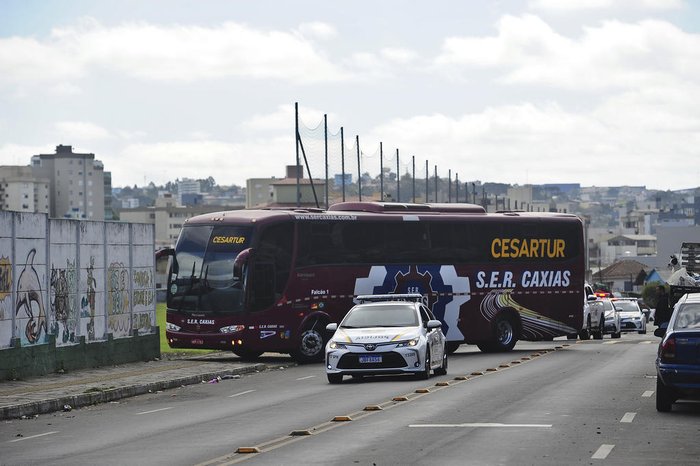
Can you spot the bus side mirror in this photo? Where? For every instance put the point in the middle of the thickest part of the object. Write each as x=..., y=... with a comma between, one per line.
x=240, y=263
x=164, y=252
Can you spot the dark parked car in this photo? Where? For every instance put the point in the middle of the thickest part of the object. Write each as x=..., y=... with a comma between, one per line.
x=678, y=360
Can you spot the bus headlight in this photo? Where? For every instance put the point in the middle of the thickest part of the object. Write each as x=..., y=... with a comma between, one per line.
x=172, y=327
x=232, y=329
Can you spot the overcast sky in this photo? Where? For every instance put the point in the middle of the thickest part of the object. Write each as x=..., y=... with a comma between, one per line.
x=596, y=92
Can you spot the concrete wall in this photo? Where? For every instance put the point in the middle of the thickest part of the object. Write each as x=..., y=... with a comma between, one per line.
x=71, y=290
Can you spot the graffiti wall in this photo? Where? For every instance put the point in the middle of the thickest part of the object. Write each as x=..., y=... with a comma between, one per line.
x=74, y=279
x=6, y=279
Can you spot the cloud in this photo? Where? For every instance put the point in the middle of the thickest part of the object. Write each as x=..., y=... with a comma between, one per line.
x=80, y=131
x=398, y=55
x=282, y=119
x=614, y=55
x=581, y=5
x=168, y=53
x=20, y=154
x=616, y=144
x=228, y=163
x=318, y=30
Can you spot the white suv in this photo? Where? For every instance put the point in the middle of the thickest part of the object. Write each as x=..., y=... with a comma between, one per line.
x=593, y=316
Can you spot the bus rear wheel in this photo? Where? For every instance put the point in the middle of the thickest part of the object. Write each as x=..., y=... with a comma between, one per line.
x=312, y=344
x=505, y=334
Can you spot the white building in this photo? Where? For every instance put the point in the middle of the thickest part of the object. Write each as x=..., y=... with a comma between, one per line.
x=21, y=191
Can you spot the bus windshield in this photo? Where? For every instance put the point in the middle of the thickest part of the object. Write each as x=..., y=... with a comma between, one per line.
x=202, y=277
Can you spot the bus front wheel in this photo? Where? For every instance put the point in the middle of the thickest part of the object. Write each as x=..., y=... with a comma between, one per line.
x=312, y=343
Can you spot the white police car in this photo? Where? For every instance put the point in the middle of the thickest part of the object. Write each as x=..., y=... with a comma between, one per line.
x=386, y=334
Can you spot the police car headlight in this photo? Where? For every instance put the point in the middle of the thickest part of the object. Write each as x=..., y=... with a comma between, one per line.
x=172, y=327
x=412, y=342
x=336, y=345
x=232, y=329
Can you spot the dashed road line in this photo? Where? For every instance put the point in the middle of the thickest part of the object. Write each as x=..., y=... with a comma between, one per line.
x=241, y=393
x=33, y=436
x=602, y=452
x=628, y=417
x=480, y=424
x=247, y=452
x=647, y=394
x=307, y=377
x=154, y=411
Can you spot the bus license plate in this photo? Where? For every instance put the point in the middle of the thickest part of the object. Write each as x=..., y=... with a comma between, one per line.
x=197, y=341
x=370, y=359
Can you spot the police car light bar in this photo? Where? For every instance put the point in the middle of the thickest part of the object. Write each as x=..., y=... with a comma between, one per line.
x=370, y=298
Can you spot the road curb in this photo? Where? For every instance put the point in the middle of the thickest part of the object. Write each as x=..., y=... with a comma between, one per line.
x=57, y=403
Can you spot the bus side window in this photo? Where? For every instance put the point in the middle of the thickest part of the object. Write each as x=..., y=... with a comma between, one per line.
x=273, y=262
x=263, y=289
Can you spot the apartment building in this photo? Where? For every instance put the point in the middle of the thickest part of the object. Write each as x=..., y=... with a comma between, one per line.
x=76, y=183
x=21, y=191
x=167, y=216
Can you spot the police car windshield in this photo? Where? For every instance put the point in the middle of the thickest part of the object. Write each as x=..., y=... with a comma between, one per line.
x=626, y=306
x=385, y=315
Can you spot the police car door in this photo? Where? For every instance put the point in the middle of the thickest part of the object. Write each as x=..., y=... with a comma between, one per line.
x=434, y=336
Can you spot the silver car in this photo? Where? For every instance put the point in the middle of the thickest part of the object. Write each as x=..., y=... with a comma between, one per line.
x=613, y=326
x=386, y=334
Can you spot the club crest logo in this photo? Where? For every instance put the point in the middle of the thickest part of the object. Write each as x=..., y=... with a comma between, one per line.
x=443, y=290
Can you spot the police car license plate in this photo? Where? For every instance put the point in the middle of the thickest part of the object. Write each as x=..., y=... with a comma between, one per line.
x=370, y=359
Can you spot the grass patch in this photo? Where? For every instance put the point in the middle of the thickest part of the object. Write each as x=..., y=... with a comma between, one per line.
x=165, y=349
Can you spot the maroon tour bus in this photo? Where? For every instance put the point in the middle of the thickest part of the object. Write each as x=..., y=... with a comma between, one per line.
x=254, y=281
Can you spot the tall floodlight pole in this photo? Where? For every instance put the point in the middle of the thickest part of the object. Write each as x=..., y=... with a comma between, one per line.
x=359, y=170
x=413, y=177
x=449, y=185
x=456, y=187
x=381, y=172
x=398, y=178
x=436, y=184
x=325, y=142
x=296, y=140
x=427, y=184
x=342, y=160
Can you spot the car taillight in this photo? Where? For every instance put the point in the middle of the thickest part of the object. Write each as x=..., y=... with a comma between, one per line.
x=667, y=350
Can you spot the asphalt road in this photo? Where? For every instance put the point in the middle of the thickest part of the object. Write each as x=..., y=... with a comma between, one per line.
x=586, y=403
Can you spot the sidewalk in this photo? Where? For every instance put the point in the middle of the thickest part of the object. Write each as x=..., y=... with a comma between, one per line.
x=59, y=392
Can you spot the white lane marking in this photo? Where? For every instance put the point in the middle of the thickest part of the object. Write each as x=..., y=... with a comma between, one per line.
x=480, y=424
x=242, y=393
x=645, y=342
x=33, y=436
x=628, y=417
x=602, y=452
x=154, y=411
x=610, y=342
x=647, y=394
x=307, y=377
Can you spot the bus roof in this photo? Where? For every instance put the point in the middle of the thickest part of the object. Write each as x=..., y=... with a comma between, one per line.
x=365, y=210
